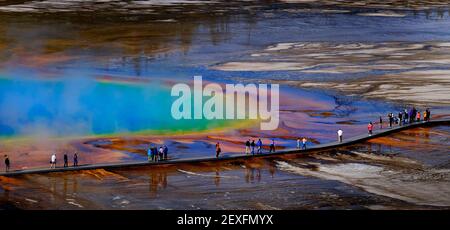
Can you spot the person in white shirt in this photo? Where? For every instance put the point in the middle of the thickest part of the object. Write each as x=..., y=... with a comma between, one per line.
x=304, y=143
x=53, y=161
x=340, y=132
x=161, y=153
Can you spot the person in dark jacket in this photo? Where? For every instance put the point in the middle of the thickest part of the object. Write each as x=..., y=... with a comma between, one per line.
x=391, y=119
x=253, y=145
x=7, y=163
x=75, y=159
x=247, y=147
x=66, y=160
x=218, y=150
x=166, y=151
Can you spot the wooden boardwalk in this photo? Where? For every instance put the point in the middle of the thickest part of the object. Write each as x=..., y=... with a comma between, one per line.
x=331, y=145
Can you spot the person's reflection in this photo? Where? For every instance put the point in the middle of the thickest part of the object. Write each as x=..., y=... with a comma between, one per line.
x=74, y=184
x=52, y=188
x=64, y=186
x=217, y=178
x=426, y=136
x=258, y=174
x=272, y=169
x=153, y=184
x=369, y=148
x=6, y=194
x=249, y=174
x=379, y=149
x=157, y=179
x=164, y=180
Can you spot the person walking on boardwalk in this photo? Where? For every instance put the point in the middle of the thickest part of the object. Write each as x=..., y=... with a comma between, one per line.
x=381, y=122
x=218, y=150
x=150, y=153
x=391, y=119
x=426, y=115
x=75, y=159
x=166, y=151
x=304, y=143
x=370, y=128
x=7, y=163
x=405, y=116
x=259, y=146
x=253, y=145
x=414, y=114
x=272, y=146
x=340, y=133
x=418, y=116
x=400, y=118
x=161, y=153
x=155, y=153
x=53, y=161
x=66, y=161
x=298, y=143
x=247, y=147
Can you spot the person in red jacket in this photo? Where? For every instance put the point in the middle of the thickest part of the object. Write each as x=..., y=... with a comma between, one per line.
x=370, y=128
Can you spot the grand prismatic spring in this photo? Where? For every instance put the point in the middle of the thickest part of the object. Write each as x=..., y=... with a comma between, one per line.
x=95, y=77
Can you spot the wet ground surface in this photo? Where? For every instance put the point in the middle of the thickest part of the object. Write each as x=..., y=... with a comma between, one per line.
x=81, y=71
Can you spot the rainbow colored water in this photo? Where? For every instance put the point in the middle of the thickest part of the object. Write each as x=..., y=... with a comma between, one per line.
x=80, y=106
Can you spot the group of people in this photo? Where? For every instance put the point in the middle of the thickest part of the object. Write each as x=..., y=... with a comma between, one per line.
x=155, y=154
x=407, y=117
x=302, y=143
x=250, y=147
x=66, y=160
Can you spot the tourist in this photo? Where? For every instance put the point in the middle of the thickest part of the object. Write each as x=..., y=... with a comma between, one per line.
x=166, y=151
x=391, y=119
x=247, y=147
x=7, y=163
x=340, y=132
x=218, y=150
x=150, y=153
x=155, y=153
x=259, y=145
x=418, y=116
x=304, y=143
x=272, y=146
x=253, y=145
x=405, y=116
x=381, y=122
x=298, y=143
x=161, y=153
x=66, y=160
x=426, y=115
x=400, y=118
x=53, y=161
x=370, y=128
x=412, y=114
x=155, y=150
x=75, y=159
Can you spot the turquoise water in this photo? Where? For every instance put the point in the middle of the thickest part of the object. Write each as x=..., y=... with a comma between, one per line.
x=84, y=106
